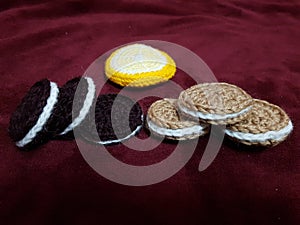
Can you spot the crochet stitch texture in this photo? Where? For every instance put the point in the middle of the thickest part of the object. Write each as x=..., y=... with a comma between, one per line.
x=29, y=123
x=215, y=103
x=266, y=125
x=164, y=119
x=116, y=118
x=139, y=65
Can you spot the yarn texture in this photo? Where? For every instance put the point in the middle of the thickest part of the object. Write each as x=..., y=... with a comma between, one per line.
x=266, y=125
x=164, y=119
x=49, y=112
x=61, y=123
x=127, y=118
x=139, y=65
x=215, y=103
x=30, y=122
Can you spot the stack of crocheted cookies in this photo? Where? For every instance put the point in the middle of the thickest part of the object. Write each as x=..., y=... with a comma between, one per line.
x=46, y=112
x=248, y=121
x=50, y=112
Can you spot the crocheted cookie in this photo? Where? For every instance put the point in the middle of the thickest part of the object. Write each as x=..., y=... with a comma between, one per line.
x=63, y=122
x=265, y=125
x=116, y=119
x=215, y=103
x=139, y=65
x=29, y=123
x=164, y=120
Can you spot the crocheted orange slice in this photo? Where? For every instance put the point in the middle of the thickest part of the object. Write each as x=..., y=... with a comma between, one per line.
x=139, y=65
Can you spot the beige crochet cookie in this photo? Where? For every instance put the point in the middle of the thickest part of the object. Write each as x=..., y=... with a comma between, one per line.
x=265, y=125
x=164, y=120
x=215, y=103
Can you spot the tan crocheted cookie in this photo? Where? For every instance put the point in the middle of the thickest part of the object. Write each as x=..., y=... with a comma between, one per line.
x=265, y=125
x=164, y=120
x=215, y=103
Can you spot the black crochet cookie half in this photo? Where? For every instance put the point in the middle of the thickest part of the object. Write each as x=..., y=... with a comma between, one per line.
x=69, y=113
x=29, y=123
x=116, y=119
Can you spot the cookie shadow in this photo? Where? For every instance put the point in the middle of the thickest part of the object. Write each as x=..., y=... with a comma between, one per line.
x=240, y=147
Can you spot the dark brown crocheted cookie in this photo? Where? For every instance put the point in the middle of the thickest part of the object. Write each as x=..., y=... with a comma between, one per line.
x=69, y=114
x=29, y=123
x=116, y=118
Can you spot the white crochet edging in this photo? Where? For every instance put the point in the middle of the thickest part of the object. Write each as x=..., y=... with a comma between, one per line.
x=122, y=139
x=211, y=116
x=86, y=106
x=196, y=129
x=270, y=135
x=43, y=118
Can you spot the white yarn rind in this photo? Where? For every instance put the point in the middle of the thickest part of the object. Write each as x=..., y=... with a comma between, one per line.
x=43, y=118
x=181, y=132
x=86, y=106
x=122, y=139
x=270, y=135
x=212, y=116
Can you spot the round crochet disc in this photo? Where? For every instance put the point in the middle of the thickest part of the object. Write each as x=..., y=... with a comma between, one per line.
x=29, y=123
x=139, y=65
x=215, y=103
x=69, y=114
x=265, y=125
x=116, y=119
x=163, y=119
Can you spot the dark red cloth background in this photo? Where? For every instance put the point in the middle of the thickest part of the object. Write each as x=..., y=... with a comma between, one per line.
x=254, y=45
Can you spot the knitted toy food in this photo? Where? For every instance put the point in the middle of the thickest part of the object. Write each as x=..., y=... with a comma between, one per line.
x=265, y=125
x=139, y=65
x=163, y=119
x=62, y=123
x=29, y=123
x=215, y=103
x=116, y=119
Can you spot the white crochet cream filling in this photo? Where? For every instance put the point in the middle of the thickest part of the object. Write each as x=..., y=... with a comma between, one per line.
x=211, y=116
x=137, y=58
x=270, y=135
x=122, y=139
x=86, y=106
x=43, y=118
x=197, y=129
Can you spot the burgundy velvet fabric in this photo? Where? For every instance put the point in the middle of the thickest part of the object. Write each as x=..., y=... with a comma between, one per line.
x=253, y=45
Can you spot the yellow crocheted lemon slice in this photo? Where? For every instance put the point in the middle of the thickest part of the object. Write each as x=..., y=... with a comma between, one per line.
x=139, y=65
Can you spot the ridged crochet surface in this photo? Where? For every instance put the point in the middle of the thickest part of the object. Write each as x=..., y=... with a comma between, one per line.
x=127, y=118
x=139, y=65
x=215, y=103
x=268, y=123
x=164, y=114
x=29, y=123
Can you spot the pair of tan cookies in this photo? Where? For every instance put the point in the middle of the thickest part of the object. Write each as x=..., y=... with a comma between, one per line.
x=249, y=121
